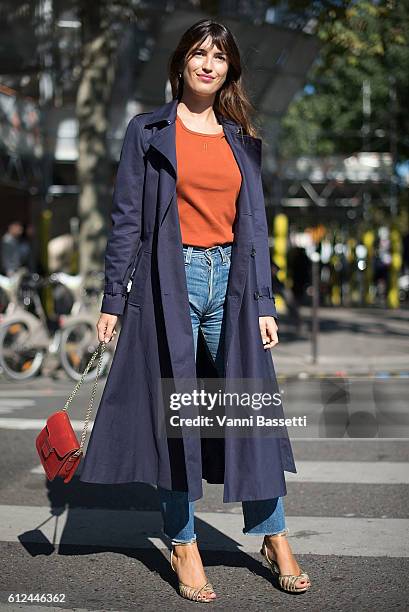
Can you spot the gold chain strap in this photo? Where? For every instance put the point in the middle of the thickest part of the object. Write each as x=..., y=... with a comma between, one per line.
x=101, y=347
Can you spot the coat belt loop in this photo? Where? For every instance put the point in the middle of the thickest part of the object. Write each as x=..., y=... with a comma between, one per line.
x=222, y=253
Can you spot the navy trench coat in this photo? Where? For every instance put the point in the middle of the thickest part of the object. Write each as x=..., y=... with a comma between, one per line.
x=156, y=338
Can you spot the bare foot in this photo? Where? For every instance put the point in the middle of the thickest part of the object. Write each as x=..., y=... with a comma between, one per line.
x=189, y=567
x=280, y=551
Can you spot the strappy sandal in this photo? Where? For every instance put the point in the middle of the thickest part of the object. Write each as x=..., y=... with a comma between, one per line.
x=193, y=593
x=286, y=581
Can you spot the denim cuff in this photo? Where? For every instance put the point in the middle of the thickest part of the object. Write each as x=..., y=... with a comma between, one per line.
x=268, y=533
x=178, y=542
x=286, y=531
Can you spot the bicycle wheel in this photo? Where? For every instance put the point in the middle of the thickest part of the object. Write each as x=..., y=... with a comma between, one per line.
x=78, y=343
x=18, y=359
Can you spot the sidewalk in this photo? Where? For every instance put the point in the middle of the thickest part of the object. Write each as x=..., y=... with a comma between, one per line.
x=353, y=341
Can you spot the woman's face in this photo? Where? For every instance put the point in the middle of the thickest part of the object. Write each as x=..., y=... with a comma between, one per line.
x=206, y=71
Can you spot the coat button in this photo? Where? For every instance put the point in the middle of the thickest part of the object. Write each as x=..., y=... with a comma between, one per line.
x=256, y=295
x=253, y=252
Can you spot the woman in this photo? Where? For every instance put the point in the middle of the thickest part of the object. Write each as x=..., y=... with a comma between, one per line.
x=189, y=221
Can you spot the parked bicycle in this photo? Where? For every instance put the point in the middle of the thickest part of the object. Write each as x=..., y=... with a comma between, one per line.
x=28, y=337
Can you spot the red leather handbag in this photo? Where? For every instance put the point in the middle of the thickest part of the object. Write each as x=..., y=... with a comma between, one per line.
x=57, y=444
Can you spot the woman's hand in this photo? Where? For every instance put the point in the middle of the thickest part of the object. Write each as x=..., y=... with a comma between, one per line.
x=268, y=330
x=105, y=327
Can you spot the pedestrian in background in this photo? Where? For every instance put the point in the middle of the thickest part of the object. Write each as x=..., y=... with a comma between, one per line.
x=11, y=254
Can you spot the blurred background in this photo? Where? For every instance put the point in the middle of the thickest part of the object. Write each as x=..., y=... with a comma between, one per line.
x=330, y=84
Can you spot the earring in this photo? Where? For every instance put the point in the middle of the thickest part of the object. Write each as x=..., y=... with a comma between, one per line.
x=180, y=75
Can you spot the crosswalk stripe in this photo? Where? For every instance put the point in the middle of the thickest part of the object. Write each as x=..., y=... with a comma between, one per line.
x=36, y=424
x=371, y=537
x=362, y=472
x=348, y=472
x=16, y=403
x=38, y=470
x=5, y=393
x=9, y=405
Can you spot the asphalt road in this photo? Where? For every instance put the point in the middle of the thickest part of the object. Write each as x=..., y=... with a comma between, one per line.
x=101, y=546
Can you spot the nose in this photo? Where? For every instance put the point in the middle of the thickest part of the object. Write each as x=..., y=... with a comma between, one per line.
x=207, y=65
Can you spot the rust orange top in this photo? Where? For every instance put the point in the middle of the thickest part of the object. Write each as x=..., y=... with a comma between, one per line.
x=208, y=183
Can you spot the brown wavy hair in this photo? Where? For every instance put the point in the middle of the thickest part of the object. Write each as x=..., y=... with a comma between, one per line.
x=231, y=100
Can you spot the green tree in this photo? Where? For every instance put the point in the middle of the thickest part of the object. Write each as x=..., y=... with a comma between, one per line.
x=364, y=44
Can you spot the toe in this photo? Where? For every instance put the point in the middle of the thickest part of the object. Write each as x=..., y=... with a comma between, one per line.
x=302, y=583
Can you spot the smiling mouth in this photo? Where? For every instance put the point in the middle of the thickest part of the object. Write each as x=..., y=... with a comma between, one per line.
x=204, y=76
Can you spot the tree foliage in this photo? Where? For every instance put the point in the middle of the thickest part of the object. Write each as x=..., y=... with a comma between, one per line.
x=362, y=42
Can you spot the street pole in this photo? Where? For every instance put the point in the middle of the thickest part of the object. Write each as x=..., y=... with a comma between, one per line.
x=393, y=141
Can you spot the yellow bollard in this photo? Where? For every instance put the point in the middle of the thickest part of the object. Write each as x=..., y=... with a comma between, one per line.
x=45, y=233
x=392, y=298
x=368, y=239
x=336, y=283
x=353, y=296
x=280, y=232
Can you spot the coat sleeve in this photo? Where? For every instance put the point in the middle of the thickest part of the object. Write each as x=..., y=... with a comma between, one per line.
x=264, y=294
x=124, y=235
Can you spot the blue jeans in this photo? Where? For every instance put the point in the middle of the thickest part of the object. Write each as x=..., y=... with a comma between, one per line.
x=207, y=273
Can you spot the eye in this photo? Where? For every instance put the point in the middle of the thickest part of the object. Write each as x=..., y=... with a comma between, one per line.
x=218, y=56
